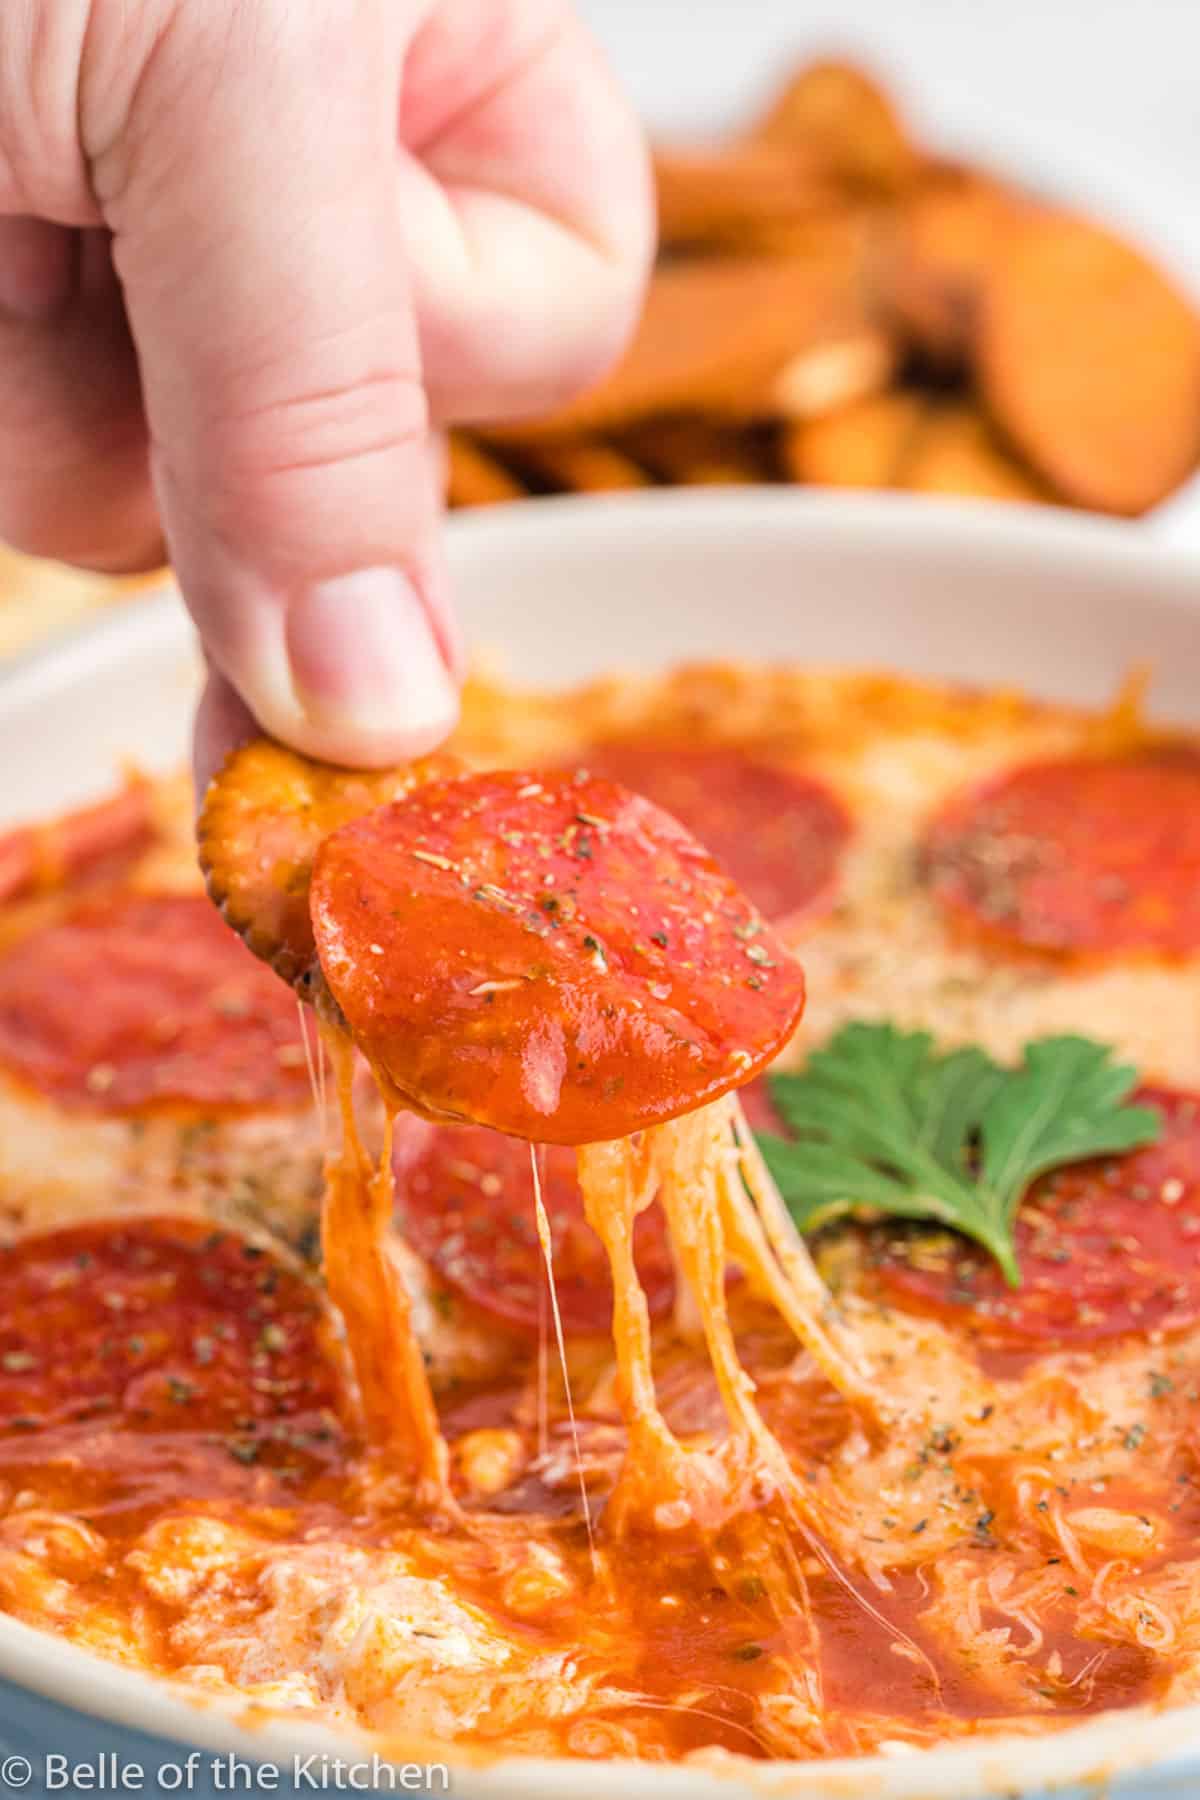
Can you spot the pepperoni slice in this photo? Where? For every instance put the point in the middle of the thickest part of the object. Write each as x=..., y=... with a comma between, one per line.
x=139, y=1002
x=41, y=856
x=1105, y=1247
x=1088, y=854
x=161, y=1325
x=466, y=1205
x=549, y=955
x=779, y=834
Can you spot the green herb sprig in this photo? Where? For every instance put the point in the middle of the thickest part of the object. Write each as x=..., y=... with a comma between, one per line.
x=886, y=1122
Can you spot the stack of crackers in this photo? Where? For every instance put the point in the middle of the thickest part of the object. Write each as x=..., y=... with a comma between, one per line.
x=836, y=304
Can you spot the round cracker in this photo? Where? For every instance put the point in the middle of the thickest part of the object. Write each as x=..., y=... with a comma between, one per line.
x=1089, y=359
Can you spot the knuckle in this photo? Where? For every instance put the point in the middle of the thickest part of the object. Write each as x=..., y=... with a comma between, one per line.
x=368, y=414
x=40, y=164
x=158, y=78
x=317, y=464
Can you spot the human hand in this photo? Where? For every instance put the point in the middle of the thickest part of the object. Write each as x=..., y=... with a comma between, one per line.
x=250, y=254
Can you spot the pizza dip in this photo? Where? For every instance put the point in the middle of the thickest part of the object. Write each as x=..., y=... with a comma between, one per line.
x=670, y=1230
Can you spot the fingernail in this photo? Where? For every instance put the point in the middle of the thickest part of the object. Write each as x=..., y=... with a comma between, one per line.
x=366, y=666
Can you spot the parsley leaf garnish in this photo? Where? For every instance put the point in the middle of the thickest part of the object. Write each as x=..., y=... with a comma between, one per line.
x=885, y=1121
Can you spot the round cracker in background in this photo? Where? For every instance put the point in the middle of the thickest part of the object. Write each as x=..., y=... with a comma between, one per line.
x=846, y=123
x=1089, y=360
x=474, y=477
x=737, y=338
x=584, y=465
x=954, y=450
x=858, y=446
x=946, y=237
x=737, y=197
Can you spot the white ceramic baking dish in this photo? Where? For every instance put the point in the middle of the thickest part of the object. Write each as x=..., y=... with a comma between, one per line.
x=558, y=590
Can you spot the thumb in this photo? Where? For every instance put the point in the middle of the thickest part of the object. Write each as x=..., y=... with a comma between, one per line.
x=251, y=193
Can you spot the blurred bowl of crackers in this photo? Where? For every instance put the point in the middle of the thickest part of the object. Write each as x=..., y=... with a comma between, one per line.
x=838, y=304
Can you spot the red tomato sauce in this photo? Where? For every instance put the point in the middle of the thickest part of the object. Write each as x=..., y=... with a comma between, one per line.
x=158, y=1368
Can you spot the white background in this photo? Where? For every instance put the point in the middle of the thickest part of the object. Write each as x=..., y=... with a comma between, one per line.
x=1124, y=74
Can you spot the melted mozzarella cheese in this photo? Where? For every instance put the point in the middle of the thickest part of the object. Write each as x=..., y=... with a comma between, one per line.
x=365, y=1636
x=261, y=1170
